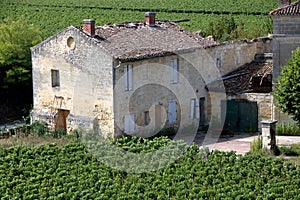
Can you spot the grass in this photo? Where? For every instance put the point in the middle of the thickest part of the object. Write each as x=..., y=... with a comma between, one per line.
x=35, y=140
x=288, y=129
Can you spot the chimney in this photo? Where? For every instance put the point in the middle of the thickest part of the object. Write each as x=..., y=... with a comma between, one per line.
x=88, y=26
x=150, y=18
x=283, y=3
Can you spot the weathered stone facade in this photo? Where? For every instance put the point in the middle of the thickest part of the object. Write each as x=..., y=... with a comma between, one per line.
x=286, y=38
x=85, y=82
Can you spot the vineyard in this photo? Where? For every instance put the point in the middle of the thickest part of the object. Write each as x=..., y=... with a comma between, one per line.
x=71, y=172
x=53, y=16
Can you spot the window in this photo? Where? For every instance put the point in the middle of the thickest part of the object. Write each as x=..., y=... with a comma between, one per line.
x=194, y=109
x=128, y=77
x=174, y=71
x=172, y=112
x=146, y=118
x=55, y=78
x=218, y=63
x=129, y=124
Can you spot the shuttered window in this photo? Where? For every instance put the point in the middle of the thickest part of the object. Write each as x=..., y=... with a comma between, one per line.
x=172, y=115
x=129, y=124
x=194, y=109
x=128, y=77
x=174, y=71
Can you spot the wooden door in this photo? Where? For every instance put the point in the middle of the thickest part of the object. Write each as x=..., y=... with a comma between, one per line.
x=61, y=119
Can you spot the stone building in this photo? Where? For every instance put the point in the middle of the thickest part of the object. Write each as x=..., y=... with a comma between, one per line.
x=133, y=78
x=286, y=38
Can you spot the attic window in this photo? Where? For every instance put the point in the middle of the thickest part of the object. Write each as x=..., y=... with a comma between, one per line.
x=71, y=42
x=55, y=78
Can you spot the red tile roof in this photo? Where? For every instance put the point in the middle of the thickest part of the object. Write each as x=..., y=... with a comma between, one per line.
x=136, y=40
x=251, y=77
x=289, y=10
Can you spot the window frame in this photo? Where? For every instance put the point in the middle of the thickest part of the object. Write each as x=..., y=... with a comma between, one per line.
x=128, y=78
x=174, y=71
x=55, y=78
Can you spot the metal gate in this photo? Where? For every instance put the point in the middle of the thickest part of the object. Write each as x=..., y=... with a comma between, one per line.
x=241, y=116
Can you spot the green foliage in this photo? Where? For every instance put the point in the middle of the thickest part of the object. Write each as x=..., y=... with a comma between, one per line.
x=292, y=150
x=70, y=172
x=228, y=28
x=287, y=87
x=16, y=38
x=256, y=146
x=38, y=128
x=288, y=129
x=252, y=14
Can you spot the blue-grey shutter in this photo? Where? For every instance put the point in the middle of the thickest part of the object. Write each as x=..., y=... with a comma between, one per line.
x=192, y=107
x=126, y=78
x=129, y=77
x=172, y=112
x=197, y=108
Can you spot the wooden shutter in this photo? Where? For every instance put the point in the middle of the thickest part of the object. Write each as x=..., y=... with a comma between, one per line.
x=174, y=71
x=172, y=112
x=129, y=77
x=126, y=78
x=129, y=124
x=197, y=109
x=192, y=107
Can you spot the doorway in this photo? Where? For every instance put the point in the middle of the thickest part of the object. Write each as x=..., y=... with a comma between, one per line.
x=60, y=119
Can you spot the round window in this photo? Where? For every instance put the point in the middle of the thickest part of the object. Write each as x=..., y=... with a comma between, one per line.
x=71, y=42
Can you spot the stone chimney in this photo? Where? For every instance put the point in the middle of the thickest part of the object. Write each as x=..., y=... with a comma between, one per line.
x=88, y=26
x=283, y=3
x=150, y=18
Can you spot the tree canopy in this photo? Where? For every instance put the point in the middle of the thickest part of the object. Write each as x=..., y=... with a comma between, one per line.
x=287, y=88
x=16, y=38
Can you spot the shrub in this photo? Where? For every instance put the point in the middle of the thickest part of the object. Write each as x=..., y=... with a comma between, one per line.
x=287, y=87
x=288, y=129
x=38, y=128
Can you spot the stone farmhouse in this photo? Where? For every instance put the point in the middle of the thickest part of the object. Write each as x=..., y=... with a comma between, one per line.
x=137, y=78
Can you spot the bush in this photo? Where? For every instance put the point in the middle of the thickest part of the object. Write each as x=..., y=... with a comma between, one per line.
x=287, y=87
x=38, y=128
x=256, y=146
x=288, y=129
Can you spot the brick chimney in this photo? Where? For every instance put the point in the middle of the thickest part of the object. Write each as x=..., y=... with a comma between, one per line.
x=283, y=3
x=88, y=26
x=150, y=18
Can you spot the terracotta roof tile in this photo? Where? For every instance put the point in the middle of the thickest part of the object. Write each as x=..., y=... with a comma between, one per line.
x=136, y=40
x=289, y=10
x=251, y=77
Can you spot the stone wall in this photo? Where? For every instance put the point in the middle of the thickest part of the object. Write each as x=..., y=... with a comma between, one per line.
x=228, y=56
x=152, y=88
x=86, y=83
x=288, y=25
x=282, y=51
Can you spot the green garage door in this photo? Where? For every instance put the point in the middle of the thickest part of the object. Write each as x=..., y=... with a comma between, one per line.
x=241, y=116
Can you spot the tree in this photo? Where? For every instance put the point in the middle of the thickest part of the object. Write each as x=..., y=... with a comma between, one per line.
x=287, y=88
x=16, y=38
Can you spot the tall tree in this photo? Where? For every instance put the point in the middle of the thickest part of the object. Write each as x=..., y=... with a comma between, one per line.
x=16, y=38
x=287, y=88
